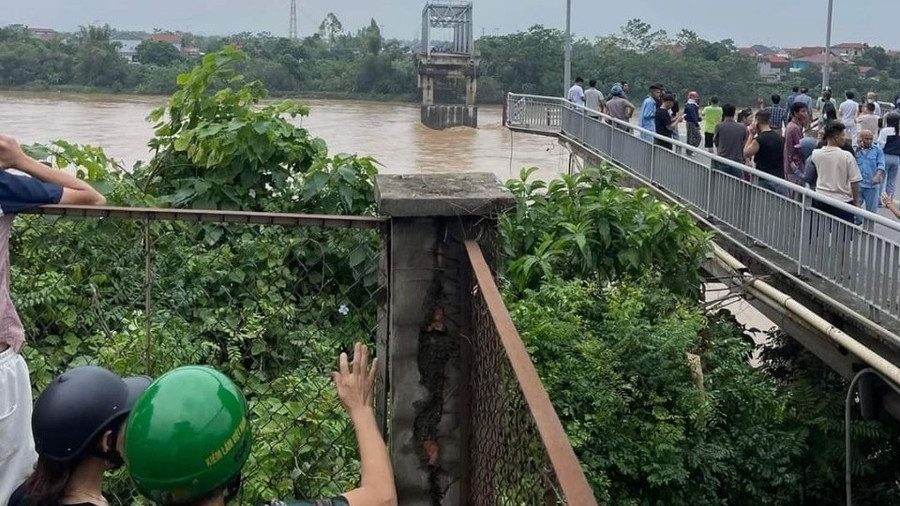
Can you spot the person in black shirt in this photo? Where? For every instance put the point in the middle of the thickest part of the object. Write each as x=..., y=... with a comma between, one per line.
x=665, y=122
x=767, y=149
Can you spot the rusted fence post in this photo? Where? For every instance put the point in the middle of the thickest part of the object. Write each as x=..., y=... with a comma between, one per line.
x=428, y=352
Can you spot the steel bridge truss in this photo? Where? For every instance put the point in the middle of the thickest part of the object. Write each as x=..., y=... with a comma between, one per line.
x=455, y=15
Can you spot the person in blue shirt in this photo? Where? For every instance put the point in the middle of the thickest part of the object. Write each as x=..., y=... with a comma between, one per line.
x=870, y=159
x=648, y=111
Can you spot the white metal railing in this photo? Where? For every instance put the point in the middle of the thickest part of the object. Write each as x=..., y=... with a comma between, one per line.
x=862, y=260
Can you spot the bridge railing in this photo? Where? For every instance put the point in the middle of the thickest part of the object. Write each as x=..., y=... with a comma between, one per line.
x=794, y=221
x=521, y=455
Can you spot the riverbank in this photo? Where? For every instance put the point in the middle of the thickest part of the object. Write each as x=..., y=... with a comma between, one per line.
x=404, y=98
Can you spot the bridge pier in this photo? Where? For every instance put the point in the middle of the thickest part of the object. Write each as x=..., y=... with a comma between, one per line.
x=429, y=354
x=441, y=69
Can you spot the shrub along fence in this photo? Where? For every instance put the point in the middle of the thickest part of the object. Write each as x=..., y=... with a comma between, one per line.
x=270, y=299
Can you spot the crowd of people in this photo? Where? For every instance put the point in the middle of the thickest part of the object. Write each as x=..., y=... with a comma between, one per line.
x=849, y=151
x=184, y=437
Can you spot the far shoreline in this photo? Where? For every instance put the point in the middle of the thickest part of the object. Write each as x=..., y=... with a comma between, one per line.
x=405, y=99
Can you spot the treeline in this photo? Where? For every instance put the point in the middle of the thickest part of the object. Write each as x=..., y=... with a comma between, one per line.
x=363, y=64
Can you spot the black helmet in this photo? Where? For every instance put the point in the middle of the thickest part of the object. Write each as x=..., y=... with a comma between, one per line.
x=78, y=406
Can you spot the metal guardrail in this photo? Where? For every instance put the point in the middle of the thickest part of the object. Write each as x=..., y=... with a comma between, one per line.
x=862, y=260
x=521, y=454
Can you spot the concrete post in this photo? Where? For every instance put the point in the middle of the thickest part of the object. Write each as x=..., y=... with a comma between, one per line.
x=427, y=90
x=429, y=355
x=471, y=90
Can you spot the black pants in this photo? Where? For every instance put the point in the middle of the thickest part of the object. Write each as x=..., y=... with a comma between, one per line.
x=837, y=213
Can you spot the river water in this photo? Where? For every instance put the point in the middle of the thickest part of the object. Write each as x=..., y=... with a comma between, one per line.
x=389, y=132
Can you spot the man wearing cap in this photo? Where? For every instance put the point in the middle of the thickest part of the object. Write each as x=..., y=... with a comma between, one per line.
x=41, y=185
x=619, y=107
x=648, y=111
x=692, y=119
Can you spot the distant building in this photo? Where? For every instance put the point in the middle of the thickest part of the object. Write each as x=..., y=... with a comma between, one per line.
x=191, y=52
x=45, y=34
x=851, y=50
x=867, y=72
x=756, y=51
x=803, y=52
x=127, y=49
x=773, y=67
x=169, y=38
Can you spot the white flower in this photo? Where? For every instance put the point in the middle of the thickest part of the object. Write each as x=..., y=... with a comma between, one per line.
x=344, y=310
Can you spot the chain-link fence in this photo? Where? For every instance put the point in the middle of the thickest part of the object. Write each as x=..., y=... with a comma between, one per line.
x=271, y=300
x=521, y=455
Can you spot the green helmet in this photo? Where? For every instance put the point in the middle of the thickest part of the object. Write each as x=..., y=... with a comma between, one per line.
x=187, y=435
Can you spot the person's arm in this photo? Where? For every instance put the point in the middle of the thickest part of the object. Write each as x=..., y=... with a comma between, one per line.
x=810, y=175
x=879, y=165
x=854, y=190
x=678, y=118
x=356, y=388
x=751, y=148
x=888, y=202
x=629, y=110
x=882, y=138
x=74, y=190
x=648, y=112
x=716, y=136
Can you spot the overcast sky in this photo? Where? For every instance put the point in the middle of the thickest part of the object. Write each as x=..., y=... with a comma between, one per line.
x=773, y=22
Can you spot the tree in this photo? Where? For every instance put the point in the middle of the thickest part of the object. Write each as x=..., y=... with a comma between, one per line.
x=157, y=53
x=639, y=36
x=99, y=63
x=877, y=56
x=331, y=27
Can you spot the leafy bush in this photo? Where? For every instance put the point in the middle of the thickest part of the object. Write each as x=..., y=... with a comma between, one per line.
x=586, y=226
x=270, y=305
x=646, y=428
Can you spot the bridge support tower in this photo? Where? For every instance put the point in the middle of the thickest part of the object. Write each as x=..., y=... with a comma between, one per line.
x=447, y=70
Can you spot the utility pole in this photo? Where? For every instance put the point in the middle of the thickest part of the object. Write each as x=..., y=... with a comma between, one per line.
x=568, y=63
x=826, y=69
x=292, y=33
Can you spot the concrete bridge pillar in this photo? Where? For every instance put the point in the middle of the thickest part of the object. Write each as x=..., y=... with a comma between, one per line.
x=471, y=90
x=428, y=353
x=426, y=87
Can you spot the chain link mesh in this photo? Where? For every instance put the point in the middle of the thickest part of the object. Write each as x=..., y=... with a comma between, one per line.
x=270, y=305
x=510, y=466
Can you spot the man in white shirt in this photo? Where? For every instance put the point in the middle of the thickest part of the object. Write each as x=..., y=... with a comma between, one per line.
x=872, y=98
x=593, y=100
x=838, y=173
x=849, y=111
x=576, y=94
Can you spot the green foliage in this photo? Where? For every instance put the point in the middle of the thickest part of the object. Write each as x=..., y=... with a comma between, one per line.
x=602, y=284
x=272, y=306
x=818, y=394
x=218, y=148
x=586, y=226
x=161, y=54
x=645, y=432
